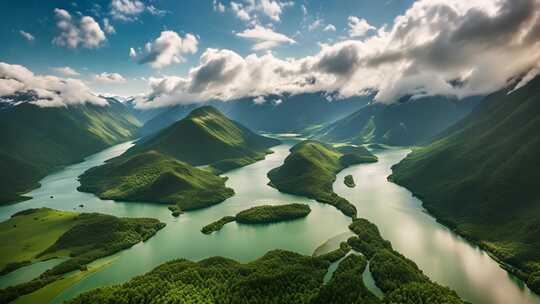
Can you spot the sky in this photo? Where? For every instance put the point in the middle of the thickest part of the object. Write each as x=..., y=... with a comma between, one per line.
x=169, y=52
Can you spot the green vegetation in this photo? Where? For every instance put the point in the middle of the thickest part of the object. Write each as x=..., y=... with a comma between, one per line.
x=403, y=123
x=83, y=237
x=175, y=210
x=207, y=137
x=336, y=255
x=217, y=225
x=349, y=181
x=272, y=214
x=36, y=141
x=347, y=285
x=277, y=277
x=398, y=277
x=481, y=178
x=310, y=170
x=154, y=177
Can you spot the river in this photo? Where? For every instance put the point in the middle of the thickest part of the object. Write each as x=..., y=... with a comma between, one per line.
x=442, y=255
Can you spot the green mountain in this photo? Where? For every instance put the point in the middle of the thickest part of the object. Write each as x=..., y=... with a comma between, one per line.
x=207, y=137
x=310, y=170
x=294, y=113
x=481, y=178
x=403, y=123
x=154, y=177
x=36, y=141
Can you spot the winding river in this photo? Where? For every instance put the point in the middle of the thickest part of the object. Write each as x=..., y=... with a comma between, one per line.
x=442, y=255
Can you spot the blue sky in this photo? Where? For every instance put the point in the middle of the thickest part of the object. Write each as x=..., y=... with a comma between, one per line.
x=212, y=28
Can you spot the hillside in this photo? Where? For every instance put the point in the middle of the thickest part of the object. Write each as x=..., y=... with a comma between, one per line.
x=154, y=177
x=36, y=140
x=38, y=234
x=482, y=177
x=207, y=137
x=311, y=169
x=403, y=123
x=294, y=113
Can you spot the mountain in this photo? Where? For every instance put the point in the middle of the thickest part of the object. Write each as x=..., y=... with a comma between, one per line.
x=311, y=169
x=154, y=177
x=36, y=141
x=403, y=123
x=481, y=178
x=294, y=113
x=207, y=137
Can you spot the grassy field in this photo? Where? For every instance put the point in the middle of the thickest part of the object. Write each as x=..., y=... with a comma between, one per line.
x=311, y=170
x=23, y=237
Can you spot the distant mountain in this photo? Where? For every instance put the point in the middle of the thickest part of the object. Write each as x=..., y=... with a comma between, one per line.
x=207, y=137
x=482, y=177
x=35, y=141
x=278, y=114
x=154, y=177
x=406, y=122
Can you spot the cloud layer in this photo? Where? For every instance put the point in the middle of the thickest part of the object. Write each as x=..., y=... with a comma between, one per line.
x=447, y=47
x=48, y=91
x=265, y=38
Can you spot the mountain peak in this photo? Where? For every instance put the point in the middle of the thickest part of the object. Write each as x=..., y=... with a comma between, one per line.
x=205, y=110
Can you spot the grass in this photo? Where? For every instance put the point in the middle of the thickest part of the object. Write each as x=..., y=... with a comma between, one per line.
x=480, y=178
x=91, y=236
x=154, y=177
x=311, y=168
x=24, y=237
x=207, y=137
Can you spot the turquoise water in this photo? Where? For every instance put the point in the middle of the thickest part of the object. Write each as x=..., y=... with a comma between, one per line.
x=440, y=253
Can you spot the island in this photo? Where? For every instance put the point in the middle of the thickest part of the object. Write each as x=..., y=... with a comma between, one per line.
x=265, y=214
x=39, y=234
x=285, y=277
x=311, y=168
x=349, y=181
x=155, y=177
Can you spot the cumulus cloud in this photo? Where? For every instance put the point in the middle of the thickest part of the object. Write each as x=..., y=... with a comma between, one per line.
x=218, y=6
x=265, y=38
x=167, y=49
x=329, y=28
x=27, y=36
x=109, y=78
x=66, y=71
x=107, y=26
x=126, y=10
x=358, y=27
x=426, y=51
x=251, y=10
x=47, y=91
x=86, y=32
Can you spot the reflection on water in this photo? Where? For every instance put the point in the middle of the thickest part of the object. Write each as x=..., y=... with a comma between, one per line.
x=441, y=254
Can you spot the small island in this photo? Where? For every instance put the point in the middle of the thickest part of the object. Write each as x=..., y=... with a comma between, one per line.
x=261, y=215
x=35, y=235
x=349, y=181
x=311, y=169
x=217, y=225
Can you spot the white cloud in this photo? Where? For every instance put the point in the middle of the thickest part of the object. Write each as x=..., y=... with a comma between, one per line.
x=107, y=26
x=132, y=53
x=66, y=71
x=48, y=91
x=358, y=27
x=218, y=6
x=168, y=48
x=330, y=28
x=304, y=10
x=27, y=36
x=266, y=38
x=109, y=78
x=155, y=11
x=126, y=10
x=251, y=10
x=315, y=24
x=426, y=51
x=86, y=33
x=259, y=100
